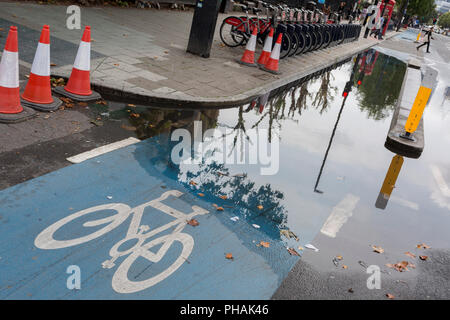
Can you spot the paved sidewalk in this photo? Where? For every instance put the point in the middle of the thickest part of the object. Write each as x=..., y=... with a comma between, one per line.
x=140, y=54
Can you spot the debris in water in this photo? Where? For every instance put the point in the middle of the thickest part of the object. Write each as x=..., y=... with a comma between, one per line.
x=310, y=246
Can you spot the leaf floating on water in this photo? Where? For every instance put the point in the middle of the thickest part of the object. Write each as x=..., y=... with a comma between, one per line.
x=223, y=197
x=401, y=266
x=263, y=244
x=423, y=245
x=193, y=222
x=219, y=208
x=201, y=194
x=423, y=258
x=260, y=207
x=300, y=248
x=229, y=256
x=339, y=257
x=377, y=249
x=344, y=267
x=288, y=234
x=193, y=183
x=390, y=296
x=292, y=252
x=409, y=254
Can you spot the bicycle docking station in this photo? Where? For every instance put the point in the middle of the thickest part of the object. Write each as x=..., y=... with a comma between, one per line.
x=203, y=26
x=406, y=132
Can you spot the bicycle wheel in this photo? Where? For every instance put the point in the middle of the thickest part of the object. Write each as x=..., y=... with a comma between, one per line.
x=326, y=39
x=319, y=40
x=301, y=43
x=232, y=31
x=285, y=45
x=308, y=42
x=121, y=282
x=294, y=44
x=341, y=36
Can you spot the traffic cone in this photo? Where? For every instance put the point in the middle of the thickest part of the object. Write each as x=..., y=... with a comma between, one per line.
x=38, y=92
x=78, y=87
x=272, y=64
x=248, y=58
x=10, y=108
x=265, y=54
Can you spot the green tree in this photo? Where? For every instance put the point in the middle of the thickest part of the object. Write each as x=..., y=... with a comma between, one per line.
x=444, y=20
x=420, y=8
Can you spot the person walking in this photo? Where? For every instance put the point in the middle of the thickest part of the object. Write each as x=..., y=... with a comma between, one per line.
x=428, y=34
x=377, y=31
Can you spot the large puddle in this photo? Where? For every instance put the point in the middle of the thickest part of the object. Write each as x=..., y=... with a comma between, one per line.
x=330, y=129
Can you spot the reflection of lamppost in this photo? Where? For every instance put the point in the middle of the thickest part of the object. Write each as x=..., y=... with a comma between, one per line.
x=347, y=89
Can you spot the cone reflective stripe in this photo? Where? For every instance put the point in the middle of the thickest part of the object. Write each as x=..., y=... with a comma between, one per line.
x=38, y=89
x=9, y=75
x=272, y=63
x=248, y=58
x=79, y=82
x=262, y=101
x=265, y=54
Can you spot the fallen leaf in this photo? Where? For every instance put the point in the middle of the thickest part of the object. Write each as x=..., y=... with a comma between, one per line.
x=344, y=267
x=193, y=222
x=423, y=245
x=401, y=266
x=260, y=207
x=288, y=234
x=350, y=290
x=229, y=256
x=129, y=128
x=300, y=248
x=264, y=244
x=135, y=115
x=409, y=254
x=339, y=257
x=193, y=183
x=201, y=194
x=53, y=64
x=131, y=105
x=390, y=296
x=377, y=249
x=292, y=252
x=102, y=102
x=423, y=258
x=223, y=197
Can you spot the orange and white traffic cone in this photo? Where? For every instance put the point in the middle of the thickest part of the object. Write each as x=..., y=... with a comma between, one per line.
x=78, y=87
x=265, y=54
x=38, y=92
x=10, y=108
x=248, y=58
x=272, y=64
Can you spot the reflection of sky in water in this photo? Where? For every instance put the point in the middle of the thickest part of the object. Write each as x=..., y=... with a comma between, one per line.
x=356, y=165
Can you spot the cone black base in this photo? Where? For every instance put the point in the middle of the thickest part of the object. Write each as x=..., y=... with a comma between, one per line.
x=76, y=97
x=26, y=114
x=247, y=64
x=43, y=106
x=271, y=71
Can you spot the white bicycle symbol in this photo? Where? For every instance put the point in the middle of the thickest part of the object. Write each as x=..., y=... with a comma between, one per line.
x=120, y=281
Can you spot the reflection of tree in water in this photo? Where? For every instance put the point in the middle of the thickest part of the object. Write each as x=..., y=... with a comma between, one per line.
x=325, y=94
x=240, y=191
x=379, y=91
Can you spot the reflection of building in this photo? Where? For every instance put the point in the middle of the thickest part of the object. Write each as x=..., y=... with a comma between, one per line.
x=389, y=182
x=443, y=6
x=368, y=61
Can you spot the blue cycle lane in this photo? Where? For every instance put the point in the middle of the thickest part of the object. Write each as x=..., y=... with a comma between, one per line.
x=121, y=218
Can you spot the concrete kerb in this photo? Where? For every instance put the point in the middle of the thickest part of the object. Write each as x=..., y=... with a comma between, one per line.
x=188, y=101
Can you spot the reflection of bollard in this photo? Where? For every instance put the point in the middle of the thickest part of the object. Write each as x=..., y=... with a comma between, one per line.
x=389, y=182
x=422, y=97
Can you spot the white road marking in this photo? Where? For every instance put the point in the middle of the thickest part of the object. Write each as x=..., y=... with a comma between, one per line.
x=440, y=181
x=340, y=214
x=102, y=150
